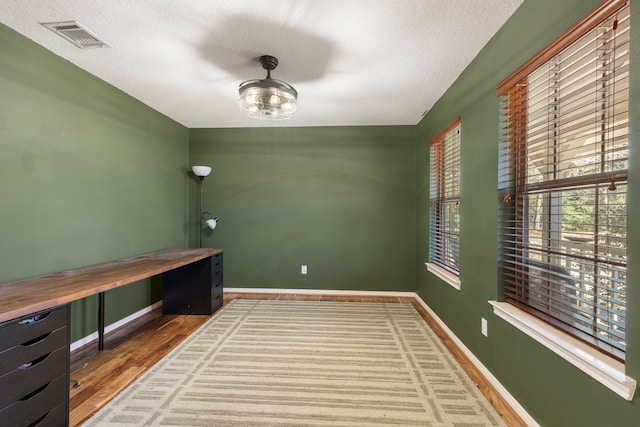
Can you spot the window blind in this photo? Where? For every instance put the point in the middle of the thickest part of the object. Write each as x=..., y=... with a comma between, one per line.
x=444, y=195
x=563, y=180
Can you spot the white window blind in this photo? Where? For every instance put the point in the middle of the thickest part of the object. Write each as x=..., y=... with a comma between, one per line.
x=563, y=180
x=444, y=195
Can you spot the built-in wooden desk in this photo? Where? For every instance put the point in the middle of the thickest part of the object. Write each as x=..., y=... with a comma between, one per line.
x=34, y=322
x=27, y=296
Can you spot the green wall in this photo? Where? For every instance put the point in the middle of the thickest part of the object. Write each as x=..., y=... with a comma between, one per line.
x=554, y=392
x=340, y=200
x=87, y=174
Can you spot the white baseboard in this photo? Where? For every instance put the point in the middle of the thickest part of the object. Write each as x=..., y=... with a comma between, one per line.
x=320, y=292
x=94, y=336
x=528, y=419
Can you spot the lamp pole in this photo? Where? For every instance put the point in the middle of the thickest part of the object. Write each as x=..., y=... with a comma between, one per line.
x=200, y=212
x=201, y=172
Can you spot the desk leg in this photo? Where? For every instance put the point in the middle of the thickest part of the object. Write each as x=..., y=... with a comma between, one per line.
x=101, y=321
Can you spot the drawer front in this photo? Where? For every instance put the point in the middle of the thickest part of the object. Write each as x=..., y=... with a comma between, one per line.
x=216, y=277
x=216, y=270
x=24, y=329
x=216, y=296
x=216, y=288
x=32, y=351
x=216, y=302
x=216, y=281
x=46, y=406
x=216, y=263
x=58, y=416
x=21, y=382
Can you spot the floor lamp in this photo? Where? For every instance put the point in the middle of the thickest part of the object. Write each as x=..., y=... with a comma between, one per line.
x=201, y=172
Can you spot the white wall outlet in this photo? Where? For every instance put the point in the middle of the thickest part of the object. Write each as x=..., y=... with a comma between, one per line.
x=303, y=269
x=484, y=328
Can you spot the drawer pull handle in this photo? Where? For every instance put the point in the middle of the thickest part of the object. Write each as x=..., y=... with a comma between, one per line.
x=40, y=420
x=36, y=340
x=34, y=362
x=34, y=392
x=33, y=319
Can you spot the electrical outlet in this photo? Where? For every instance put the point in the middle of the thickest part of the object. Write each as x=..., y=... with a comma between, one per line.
x=303, y=269
x=484, y=328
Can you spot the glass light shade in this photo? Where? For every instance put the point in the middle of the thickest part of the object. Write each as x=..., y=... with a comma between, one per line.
x=268, y=99
x=201, y=170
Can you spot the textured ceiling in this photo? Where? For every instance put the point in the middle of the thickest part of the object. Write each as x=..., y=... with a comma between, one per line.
x=353, y=62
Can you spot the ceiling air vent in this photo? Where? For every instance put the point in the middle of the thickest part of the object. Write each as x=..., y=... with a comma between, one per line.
x=76, y=34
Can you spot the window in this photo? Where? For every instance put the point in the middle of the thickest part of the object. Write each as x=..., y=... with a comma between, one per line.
x=444, y=195
x=563, y=180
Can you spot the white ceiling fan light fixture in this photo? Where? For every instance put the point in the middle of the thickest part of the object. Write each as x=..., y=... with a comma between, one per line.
x=267, y=98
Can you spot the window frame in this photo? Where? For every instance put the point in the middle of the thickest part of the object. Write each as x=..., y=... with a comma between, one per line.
x=444, y=237
x=607, y=368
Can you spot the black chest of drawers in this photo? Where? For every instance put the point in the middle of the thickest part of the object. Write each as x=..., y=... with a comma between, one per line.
x=34, y=369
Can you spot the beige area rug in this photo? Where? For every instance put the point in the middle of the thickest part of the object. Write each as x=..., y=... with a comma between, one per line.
x=304, y=363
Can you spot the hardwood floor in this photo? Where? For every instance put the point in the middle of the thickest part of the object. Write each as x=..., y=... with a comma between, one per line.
x=128, y=353
x=97, y=377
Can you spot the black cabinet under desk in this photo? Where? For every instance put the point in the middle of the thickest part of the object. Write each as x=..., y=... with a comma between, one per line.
x=194, y=288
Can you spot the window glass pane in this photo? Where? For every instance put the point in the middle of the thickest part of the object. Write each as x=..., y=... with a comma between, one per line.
x=444, y=218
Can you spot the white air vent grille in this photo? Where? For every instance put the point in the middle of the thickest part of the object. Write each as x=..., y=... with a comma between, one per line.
x=76, y=34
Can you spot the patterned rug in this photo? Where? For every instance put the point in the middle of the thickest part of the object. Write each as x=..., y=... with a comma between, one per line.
x=305, y=363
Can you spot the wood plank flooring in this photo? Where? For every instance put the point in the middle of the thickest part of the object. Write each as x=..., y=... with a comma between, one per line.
x=133, y=349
